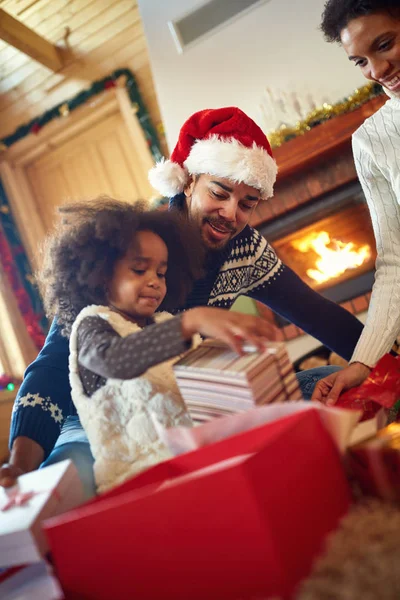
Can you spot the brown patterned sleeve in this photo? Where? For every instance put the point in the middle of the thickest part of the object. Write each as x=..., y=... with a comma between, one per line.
x=104, y=352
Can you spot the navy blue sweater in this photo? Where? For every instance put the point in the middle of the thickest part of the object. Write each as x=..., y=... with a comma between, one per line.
x=247, y=266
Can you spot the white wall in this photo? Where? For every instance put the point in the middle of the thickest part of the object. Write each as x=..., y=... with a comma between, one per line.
x=277, y=44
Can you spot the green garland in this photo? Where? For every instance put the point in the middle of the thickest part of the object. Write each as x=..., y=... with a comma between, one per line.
x=64, y=108
x=324, y=113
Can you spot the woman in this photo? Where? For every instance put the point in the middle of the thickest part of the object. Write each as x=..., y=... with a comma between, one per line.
x=369, y=32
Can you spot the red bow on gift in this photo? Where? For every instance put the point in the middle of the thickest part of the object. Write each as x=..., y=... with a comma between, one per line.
x=380, y=389
x=17, y=498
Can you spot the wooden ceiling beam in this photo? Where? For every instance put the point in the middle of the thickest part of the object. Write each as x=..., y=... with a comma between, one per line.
x=17, y=34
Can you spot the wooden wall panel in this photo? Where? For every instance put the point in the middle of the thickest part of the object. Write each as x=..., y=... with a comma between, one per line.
x=104, y=35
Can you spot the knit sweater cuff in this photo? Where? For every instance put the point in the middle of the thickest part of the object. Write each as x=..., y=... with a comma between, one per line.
x=42, y=405
x=41, y=429
x=370, y=349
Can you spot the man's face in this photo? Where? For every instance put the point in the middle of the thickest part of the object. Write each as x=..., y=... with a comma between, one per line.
x=372, y=42
x=220, y=207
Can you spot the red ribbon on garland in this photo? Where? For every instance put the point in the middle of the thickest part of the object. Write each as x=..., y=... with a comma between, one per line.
x=24, y=304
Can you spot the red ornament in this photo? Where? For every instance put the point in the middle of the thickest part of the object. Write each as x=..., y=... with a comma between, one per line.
x=35, y=128
x=110, y=83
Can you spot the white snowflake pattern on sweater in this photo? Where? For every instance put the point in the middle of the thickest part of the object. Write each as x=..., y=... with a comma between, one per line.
x=46, y=404
x=251, y=263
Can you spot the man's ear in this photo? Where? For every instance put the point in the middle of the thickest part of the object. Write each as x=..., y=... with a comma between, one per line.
x=188, y=190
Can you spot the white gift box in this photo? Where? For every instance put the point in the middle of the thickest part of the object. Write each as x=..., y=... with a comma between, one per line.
x=33, y=582
x=39, y=495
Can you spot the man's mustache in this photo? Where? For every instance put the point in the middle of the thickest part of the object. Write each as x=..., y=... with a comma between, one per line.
x=221, y=224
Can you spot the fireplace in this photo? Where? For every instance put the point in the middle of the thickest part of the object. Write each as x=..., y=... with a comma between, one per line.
x=329, y=243
x=318, y=220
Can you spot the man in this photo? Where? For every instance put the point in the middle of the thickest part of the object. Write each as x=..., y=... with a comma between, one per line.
x=221, y=168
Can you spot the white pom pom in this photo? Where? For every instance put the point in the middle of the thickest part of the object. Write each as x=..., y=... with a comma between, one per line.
x=168, y=178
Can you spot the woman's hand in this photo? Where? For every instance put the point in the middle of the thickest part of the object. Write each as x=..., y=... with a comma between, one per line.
x=233, y=328
x=329, y=389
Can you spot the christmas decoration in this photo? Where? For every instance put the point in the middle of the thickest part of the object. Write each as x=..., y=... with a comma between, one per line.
x=324, y=113
x=13, y=258
x=119, y=77
x=35, y=128
x=8, y=383
x=64, y=110
x=16, y=268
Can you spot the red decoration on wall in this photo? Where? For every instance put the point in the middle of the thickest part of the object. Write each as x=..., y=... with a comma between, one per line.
x=35, y=128
x=110, y=83
x=24, y=304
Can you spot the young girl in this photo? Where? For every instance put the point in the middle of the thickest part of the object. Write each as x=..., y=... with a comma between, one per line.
x=108, y=270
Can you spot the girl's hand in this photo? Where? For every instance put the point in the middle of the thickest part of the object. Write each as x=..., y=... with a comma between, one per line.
x=233, y=328
x=329, y=389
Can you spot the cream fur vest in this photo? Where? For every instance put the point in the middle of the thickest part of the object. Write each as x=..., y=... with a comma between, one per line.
x=117, y=418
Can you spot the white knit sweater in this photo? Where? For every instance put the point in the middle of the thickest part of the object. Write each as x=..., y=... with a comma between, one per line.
x=376, y=148
x=118, y=417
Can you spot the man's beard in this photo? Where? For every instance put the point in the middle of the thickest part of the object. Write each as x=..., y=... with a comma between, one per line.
x=218, y=223
x=196, y=216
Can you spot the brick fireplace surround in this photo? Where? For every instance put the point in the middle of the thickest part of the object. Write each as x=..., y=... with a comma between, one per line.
x=311, y=166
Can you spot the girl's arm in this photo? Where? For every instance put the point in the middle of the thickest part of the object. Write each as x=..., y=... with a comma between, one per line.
x=104, y=352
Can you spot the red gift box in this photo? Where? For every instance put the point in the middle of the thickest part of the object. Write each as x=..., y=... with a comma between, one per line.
x=380, y=389
x=242, y=518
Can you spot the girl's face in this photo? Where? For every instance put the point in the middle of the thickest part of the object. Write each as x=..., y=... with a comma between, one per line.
x=138, y=286
x=372, y=42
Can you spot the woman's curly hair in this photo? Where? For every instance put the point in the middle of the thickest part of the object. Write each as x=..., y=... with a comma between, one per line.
x=338, y=13
x=78, y=259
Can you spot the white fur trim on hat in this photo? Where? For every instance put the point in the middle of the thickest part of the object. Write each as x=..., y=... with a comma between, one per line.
x=226, y=157
x=168, y=178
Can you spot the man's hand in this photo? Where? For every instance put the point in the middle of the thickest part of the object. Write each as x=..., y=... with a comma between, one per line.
x=329, y=389
x=26, y=455
x=9, y=475
x=233, y=328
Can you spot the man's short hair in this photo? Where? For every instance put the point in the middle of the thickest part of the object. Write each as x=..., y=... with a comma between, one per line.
x=338, y=13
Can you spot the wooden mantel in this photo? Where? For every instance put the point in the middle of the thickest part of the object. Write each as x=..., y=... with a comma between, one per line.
x=315, y=163
x=324, y=139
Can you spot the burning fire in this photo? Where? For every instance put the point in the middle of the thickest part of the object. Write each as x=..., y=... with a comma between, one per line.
x=335, y=256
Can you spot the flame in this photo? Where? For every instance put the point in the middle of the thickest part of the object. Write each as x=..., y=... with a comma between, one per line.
x=333, y=261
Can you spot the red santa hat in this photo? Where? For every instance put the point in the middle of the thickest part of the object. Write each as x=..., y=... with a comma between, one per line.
x=223, y=142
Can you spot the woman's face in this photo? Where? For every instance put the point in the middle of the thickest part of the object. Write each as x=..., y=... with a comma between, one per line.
x=372, y=42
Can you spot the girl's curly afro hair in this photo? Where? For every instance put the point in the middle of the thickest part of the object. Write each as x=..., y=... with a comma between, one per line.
x=80, y=256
